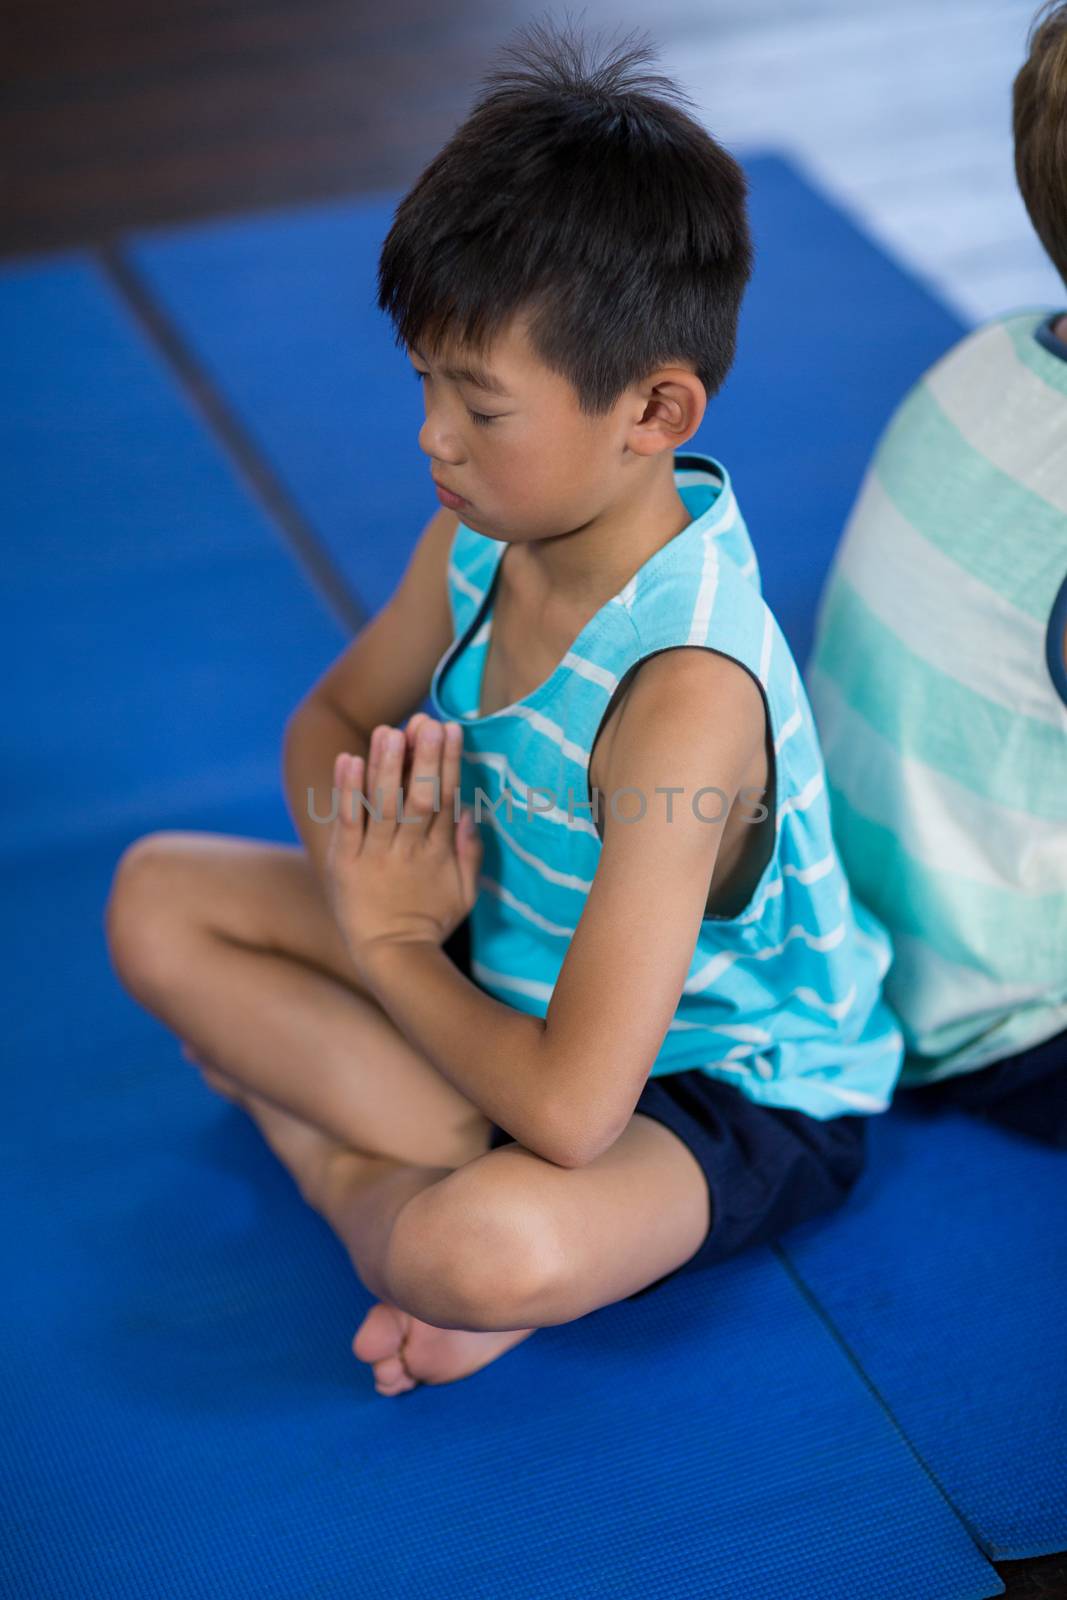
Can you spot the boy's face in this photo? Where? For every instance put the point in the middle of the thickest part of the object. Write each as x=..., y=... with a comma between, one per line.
x=541, y=467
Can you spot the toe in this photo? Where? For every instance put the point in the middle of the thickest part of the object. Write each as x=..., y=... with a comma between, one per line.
x=393, y=1386
x=390, y=1371
x=381, y=1333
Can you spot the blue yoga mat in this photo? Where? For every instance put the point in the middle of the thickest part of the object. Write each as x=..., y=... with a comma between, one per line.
x=158, y=630
x=182, y=1414
x=833, y=333
x=946, y=1276
x=180, y=1409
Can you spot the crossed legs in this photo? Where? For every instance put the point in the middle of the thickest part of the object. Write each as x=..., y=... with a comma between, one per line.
x=231, y=943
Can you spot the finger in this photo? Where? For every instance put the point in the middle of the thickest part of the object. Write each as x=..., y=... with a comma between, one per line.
x=415, y=724
x=422, y=798
x=451, y=759
x=348, y=778
x=374, y=768
x=381, y=830
x=411, y=733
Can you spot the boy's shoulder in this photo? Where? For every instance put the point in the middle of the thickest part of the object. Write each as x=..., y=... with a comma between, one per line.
x=994, y=397
x=997, y=345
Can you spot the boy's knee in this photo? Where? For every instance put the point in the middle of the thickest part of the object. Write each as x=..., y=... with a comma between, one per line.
x=451, y=1260
x=138, y=920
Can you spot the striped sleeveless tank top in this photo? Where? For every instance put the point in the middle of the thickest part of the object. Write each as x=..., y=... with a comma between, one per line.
x=784, y=999
x=939, y=689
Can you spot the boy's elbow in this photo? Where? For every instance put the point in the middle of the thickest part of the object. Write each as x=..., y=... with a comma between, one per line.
x=572, y=1137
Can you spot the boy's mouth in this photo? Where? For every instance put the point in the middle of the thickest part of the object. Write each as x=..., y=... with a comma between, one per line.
x=447, y=495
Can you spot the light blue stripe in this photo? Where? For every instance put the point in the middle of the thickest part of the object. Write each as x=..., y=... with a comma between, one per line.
x=971, y=510
x=936, y=719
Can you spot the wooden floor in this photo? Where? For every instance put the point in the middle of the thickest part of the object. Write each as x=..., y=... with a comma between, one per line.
x=118, y=114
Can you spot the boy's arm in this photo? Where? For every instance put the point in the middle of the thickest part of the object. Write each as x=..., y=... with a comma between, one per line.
x=693, y=719
x=566, y=1085
x=382, y=676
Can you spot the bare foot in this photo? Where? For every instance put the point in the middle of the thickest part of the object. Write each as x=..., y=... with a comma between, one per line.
x=404, y=1351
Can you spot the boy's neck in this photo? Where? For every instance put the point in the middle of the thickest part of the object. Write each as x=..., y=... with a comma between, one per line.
x=589, y=565
x=1059, y=329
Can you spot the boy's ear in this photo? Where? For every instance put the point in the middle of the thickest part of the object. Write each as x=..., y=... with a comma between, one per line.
x=674, y=409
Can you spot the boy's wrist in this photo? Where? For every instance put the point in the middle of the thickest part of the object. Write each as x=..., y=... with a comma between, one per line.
x=381, y=959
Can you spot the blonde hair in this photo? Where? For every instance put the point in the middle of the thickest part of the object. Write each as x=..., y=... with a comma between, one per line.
x=1039, y=121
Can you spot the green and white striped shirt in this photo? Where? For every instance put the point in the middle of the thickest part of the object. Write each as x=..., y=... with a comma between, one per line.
x=938, y=686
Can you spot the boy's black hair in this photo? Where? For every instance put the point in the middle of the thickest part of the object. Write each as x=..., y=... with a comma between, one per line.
x=580, y=194
x=1039, y=119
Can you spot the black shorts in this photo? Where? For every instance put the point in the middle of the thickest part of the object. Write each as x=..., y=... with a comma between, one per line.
x=767, y=1168
x=1025, y=1092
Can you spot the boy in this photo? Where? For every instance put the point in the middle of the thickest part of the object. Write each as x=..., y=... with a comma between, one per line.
x=673, y=1029
x=939, y=682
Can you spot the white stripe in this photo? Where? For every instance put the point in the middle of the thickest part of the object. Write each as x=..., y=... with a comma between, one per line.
x=726, y=515
x=853, y=1097
x=581, y=664
x=788, y=729
x=775, y=886
x=814, y=941
x=836, y=1009
x=942, y=613
x=733, y=1030
x=766, y=646
x=706, y=975
x=932, y=994
x=817, y=870
x=721, y=517
x=936, y=820
x=759, y=1064
x=704, y=604
x=551, y=730
x=591, y=670
x=523, y=909
x=1033, y=449
x=801, y=801
x=626, y=594
x=464, y=585
x=505, y=980
x=566, y=880
x=510, y=782
x=1047, y=1022
x=743, y=1052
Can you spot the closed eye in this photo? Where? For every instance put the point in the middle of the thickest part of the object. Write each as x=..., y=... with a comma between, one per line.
x=475, y=416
